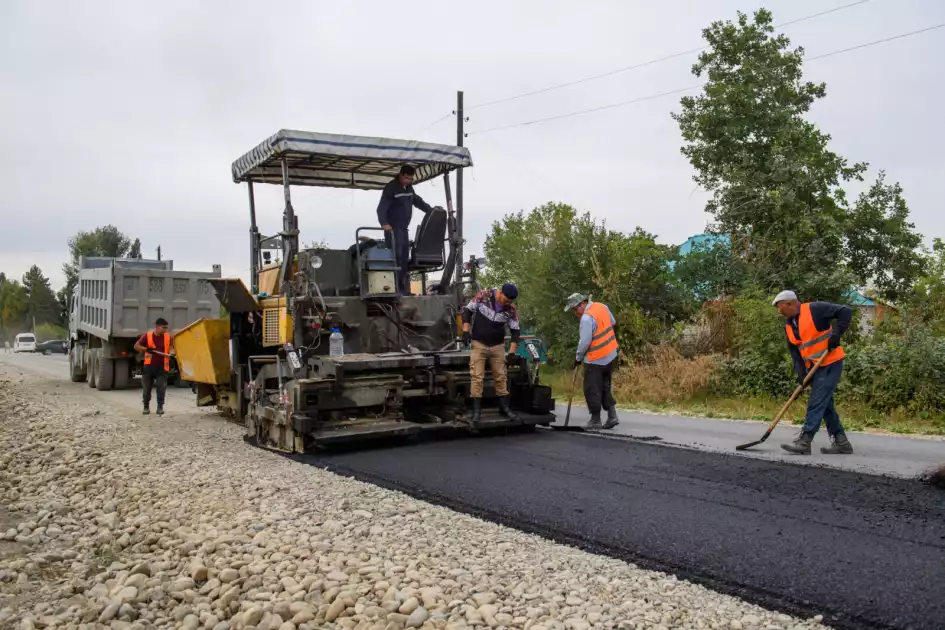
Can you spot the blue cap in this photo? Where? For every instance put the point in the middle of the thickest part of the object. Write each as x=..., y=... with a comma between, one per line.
x=509, y=290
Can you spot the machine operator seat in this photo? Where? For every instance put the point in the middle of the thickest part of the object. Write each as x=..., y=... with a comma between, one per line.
x=427, y=251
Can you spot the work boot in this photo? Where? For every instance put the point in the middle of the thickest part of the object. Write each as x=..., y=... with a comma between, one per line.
x=505, y=410
x=146, y=411
x=160, y=410
x=801, y=445
x=594, y=424
x=839, y=445
x=476, y=412
x=612, y=419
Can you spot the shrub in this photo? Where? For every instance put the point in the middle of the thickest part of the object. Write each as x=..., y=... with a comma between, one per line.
x=47, y=332
x=662, y=375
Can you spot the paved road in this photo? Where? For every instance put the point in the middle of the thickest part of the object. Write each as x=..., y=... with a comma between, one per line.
x=894, y=455
x=866, y=551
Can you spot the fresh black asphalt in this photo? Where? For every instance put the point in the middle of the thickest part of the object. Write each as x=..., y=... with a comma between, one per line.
x=864, y=551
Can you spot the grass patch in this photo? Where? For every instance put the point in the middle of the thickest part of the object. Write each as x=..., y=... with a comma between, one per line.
x=669, y=383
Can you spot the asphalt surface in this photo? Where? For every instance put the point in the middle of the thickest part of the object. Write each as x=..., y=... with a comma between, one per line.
x=865, y=551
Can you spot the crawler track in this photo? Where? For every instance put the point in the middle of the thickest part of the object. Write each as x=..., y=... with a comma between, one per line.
x=865, y=551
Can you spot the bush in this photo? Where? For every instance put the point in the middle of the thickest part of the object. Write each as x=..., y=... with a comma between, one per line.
x=664, y=375
x=904, y=369
x=47, y=332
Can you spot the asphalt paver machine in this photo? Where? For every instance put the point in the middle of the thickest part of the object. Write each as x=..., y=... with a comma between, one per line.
x=404, y=370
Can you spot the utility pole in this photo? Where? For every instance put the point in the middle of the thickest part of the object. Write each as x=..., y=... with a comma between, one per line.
x=460, y=135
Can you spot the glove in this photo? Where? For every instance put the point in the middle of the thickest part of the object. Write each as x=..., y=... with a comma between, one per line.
x=467, y=337
x=511, y=357
x=577, y=362
x=833, y=343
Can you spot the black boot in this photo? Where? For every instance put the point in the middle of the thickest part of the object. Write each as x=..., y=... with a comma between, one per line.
x=146, y=410
x=612, y=419
x=160, y=410
x=839, y=445
x=476, y=413
x=801, y=445
x=594, y=424
x=505, y=409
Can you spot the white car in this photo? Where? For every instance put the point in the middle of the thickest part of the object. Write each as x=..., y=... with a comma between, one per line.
x=24, y=342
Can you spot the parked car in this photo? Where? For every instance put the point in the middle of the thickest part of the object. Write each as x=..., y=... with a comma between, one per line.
x=53, y=346
x=24, y=342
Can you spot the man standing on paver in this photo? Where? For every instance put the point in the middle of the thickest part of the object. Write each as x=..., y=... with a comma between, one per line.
x=156, y=346
x=810, y=335
x=393, y=213
x=597, y=351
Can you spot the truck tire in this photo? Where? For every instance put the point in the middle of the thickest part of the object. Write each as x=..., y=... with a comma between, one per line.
x=92, y=368
x=75, y=374
x=122, y=373
x=105, y=378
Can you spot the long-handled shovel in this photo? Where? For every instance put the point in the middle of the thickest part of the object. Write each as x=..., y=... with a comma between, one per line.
x=567, y=417
x=777, y=418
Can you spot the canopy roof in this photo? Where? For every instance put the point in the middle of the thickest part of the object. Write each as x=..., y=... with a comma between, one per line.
x=340, y=161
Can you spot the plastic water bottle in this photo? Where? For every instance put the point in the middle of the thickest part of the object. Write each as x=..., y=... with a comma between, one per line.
x=336, y=344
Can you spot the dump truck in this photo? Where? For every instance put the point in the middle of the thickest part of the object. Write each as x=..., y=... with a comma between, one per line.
x=116, y=300
x=403, y=370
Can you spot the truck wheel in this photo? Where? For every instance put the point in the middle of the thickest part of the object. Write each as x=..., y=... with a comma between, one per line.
x=92, y=368
x=105, y=379
x=122, y=373
x=75, y=374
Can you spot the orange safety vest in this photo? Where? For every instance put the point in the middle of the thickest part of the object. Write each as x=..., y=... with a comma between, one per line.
x=813, y=342
x=148, y=357
x=603, y=341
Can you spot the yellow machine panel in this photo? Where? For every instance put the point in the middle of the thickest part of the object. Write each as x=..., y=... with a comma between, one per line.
x=276, y=326
x=203, y=351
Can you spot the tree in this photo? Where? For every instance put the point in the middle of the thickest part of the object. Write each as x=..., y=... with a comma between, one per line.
x=882, y=246
x=709, y=272
x=553, y=251
x=774, y=183
x=42, y=306
x=13, y=308
x=102, y=241
x=135, y=250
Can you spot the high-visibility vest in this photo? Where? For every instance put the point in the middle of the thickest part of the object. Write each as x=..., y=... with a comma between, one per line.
x=148, y=357
x=812, y=342
x=603, y=340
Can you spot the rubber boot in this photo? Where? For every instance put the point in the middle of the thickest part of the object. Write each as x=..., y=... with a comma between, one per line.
x=612, y=419
x=146, y=411
x=801, y=445
x=160, y=410
x=476, y=414
x=839, y=445
x=594, y=424
x=505, y=409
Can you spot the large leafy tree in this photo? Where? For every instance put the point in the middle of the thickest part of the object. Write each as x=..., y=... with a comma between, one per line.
x=775, y=184
x=102, y=241
x=882, y=247
x=14, y=308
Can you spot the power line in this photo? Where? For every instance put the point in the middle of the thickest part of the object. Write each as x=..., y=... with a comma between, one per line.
x=650, y=62
x=651, y=97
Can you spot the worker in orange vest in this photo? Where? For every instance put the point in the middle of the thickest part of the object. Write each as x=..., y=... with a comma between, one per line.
x=156, y=366
x=810, y=334
x=597, y=352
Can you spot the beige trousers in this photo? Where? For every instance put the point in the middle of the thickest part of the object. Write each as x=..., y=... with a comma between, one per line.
x=495, y=355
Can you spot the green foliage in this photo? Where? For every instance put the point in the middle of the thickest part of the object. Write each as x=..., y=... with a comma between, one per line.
x=882, y=248
x=102, y=241
x=927, y=302
x=47, y=332
x=902, y=367
x=135, y=250
x=710, y=272
x=43, y=308
x=553, y=251
x=14, y=309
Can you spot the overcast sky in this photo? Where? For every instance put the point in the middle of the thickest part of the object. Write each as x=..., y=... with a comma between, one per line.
x=116, y=113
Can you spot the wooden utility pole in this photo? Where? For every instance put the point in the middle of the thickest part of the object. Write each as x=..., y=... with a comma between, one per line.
x=460, y=135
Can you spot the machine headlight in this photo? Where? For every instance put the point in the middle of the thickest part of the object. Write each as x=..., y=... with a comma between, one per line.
x=316, y=262
x=481, y=263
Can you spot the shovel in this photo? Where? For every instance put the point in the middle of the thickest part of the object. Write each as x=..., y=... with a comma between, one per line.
x=567, y=417
x=777, y=418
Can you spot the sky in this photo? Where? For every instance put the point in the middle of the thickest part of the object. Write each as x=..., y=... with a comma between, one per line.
x=131, y=113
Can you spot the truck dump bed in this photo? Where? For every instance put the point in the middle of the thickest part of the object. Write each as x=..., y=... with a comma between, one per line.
x=123, y=298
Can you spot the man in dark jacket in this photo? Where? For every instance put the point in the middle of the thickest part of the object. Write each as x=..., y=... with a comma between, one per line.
x=813, y=330
x=394, y=212
x=484, y=322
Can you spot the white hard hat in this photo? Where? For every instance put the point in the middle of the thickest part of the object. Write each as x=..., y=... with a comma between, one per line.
x=785, y=296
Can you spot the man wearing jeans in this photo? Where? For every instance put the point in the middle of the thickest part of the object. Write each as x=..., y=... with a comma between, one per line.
x=156, y=346
x=813, y=329
x=484, y=322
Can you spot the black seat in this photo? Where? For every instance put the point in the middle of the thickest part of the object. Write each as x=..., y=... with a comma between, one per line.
x=427, y=251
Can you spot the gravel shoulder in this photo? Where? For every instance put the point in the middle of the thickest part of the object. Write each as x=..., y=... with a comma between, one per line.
x=111, y=519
